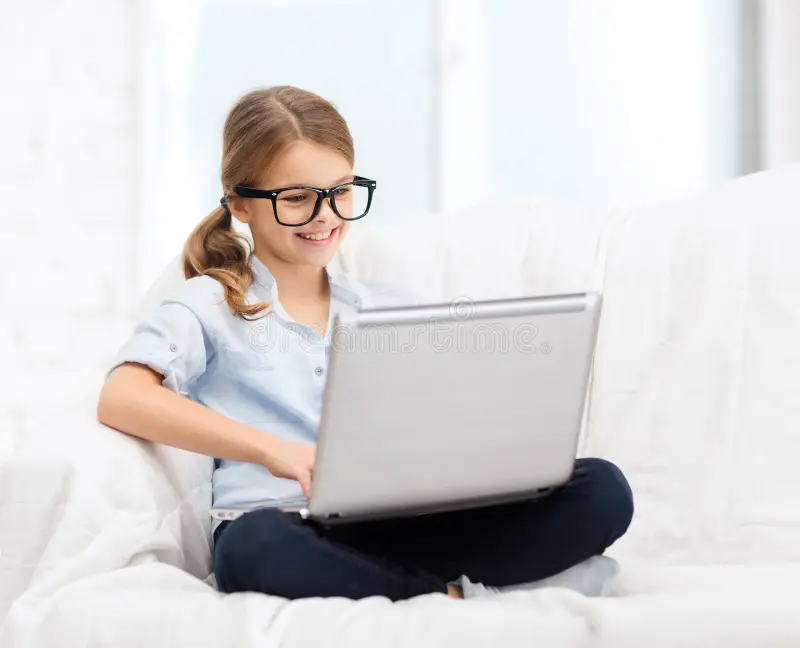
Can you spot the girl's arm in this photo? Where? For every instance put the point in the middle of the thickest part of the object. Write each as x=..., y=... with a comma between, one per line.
x=134, y=401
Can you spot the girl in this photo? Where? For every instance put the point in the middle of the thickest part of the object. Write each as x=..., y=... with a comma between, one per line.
x=245, y=342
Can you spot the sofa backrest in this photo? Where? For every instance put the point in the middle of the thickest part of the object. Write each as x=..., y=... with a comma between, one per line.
x=695, y=377
x=694, y=383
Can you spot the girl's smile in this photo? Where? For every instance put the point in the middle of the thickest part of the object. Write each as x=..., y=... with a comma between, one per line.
x=318, y=238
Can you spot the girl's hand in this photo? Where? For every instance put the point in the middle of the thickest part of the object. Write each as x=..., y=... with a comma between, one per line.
x=291, y=461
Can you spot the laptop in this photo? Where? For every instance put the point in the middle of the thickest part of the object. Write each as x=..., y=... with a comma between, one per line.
x=443, y=407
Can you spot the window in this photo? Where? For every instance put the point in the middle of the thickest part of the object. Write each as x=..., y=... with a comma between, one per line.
x=466, y=101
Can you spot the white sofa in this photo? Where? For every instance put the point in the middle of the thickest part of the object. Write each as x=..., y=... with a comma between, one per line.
x=104, y=540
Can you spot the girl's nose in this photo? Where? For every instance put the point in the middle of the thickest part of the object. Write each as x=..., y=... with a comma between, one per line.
x=326, y=214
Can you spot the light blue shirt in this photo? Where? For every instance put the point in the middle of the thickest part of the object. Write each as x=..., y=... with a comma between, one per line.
x=268, y=373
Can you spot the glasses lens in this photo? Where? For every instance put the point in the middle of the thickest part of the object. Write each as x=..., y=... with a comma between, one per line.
x=295, y=206
x=351, y=201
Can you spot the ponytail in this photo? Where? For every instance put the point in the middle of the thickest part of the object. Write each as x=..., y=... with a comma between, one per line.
x=216, y=250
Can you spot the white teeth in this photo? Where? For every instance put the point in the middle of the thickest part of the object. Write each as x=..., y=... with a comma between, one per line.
x=316, y=237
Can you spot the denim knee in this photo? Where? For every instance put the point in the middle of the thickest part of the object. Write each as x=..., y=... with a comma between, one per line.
x=611, y=493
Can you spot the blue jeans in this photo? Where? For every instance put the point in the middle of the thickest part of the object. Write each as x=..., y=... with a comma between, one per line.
x=279, y=553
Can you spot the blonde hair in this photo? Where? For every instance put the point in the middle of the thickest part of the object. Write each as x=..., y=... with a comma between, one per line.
x=259, y=127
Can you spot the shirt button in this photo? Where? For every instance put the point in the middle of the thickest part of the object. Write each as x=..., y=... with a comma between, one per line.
x=319, y=371
x=173, y=347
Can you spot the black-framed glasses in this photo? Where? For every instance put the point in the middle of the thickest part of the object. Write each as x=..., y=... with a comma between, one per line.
x=296, y=206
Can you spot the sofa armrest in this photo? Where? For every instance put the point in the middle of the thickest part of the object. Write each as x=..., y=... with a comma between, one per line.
x=78, y=498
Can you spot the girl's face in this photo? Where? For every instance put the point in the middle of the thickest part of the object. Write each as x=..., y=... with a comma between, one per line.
x=303, y=164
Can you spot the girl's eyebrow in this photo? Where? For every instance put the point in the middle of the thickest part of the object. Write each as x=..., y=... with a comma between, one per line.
x=346, y=178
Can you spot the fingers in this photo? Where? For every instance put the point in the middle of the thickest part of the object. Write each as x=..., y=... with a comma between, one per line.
x=305, y=483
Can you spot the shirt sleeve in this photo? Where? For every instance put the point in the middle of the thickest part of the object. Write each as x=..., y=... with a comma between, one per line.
x=170, y=342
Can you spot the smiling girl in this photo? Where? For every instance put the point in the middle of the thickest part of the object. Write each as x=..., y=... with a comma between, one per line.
x=234, y=364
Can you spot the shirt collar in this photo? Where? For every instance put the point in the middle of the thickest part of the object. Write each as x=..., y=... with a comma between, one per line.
x=341, y=286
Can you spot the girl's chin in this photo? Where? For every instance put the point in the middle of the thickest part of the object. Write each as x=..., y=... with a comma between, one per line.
x=314, y=256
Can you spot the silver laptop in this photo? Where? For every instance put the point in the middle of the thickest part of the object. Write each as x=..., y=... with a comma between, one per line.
x=443, y=407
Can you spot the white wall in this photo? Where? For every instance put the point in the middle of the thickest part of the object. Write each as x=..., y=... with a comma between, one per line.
x=780, y=70
x=66, y=216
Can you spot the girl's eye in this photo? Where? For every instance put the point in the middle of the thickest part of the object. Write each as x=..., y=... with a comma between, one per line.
x=342, y=191
x=295, y=198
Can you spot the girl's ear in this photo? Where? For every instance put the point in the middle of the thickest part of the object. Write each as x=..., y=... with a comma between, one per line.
x=239, y=210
